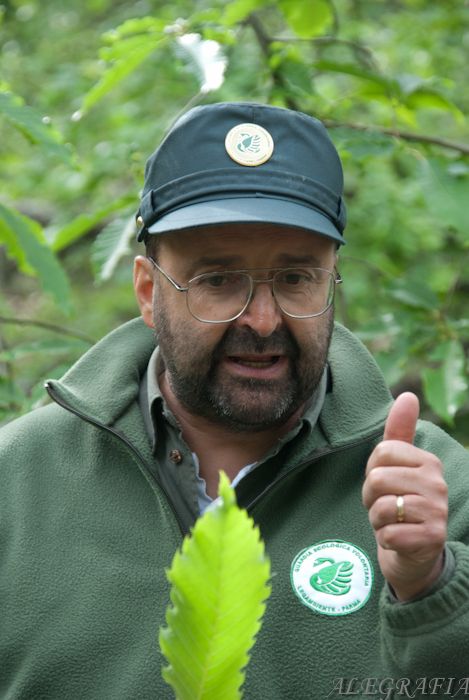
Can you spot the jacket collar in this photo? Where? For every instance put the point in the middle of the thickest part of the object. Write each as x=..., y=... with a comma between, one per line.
x=106, y=379
x=360, y=400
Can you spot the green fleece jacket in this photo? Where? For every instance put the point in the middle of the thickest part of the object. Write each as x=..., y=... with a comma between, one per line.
x=86, y=534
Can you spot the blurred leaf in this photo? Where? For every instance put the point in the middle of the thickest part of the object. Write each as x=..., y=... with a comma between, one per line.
x=124, y=48
x=132, y=53
x=25, y=242
x=223, y=35
x=33, y=126
x=84, y=223
x=445, y=192
x=446, y=387
x=363, y=144
x=11, y=397
x=111, y=245
x=460, y=326
x=14, y=400
x=388, y=86
x=414, y=293
x=297, y=75
x=391, y=364
x=430, y=99
x=136, y=25
x=458, y=169
x=219, y=585
x=240, y=9
x=307, y=19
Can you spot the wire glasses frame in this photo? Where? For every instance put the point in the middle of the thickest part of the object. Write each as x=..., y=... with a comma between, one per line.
x=232, y=290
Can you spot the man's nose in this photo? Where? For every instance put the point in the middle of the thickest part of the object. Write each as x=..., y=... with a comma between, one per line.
x=263, y=314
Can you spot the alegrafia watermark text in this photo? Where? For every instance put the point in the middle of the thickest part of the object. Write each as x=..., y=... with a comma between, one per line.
x=393, y=688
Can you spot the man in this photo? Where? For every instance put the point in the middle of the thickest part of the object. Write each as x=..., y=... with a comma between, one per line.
x=242, y=217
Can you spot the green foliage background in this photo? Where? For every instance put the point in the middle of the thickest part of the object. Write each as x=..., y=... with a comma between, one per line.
x=88, y=89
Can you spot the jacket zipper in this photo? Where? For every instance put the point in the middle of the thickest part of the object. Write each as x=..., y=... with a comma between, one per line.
x=311, y=460
x=58, y=400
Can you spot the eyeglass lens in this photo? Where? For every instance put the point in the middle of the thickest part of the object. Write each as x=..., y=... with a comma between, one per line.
x=222, y=296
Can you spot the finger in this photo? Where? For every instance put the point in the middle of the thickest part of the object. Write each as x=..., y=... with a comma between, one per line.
x=402, y=419
x=393, y=481
x=421, y=540
x=399, y=481
x=396, y=453
x=384, y=510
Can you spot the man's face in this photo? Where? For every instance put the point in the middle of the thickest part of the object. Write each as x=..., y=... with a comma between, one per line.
x=255, y=372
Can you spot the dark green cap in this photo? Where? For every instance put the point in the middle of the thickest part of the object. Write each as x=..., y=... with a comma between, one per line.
x=244, y=163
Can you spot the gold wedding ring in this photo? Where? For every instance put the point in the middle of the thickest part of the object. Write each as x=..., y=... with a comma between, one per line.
x=400, y=514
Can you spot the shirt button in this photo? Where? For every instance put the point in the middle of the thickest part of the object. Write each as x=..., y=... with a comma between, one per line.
x=175, y=456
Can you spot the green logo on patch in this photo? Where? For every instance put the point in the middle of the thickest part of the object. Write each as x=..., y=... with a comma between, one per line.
x=332, y=577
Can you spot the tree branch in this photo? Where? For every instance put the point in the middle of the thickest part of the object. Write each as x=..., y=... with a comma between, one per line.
x=399, y=134
x=264, y=42
x=49, y=327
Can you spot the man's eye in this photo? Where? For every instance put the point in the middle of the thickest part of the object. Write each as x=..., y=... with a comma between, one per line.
x=295, y=278
x=216, y=280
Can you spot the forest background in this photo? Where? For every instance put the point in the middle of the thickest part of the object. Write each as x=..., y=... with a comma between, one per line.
x=88, y=89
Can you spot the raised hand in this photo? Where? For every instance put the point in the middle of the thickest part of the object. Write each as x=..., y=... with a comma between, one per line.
x=411, y=530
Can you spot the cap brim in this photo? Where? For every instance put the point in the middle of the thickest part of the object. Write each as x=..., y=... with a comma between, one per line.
x=244, y=210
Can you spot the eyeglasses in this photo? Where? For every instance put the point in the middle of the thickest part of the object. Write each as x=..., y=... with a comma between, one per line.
x=220, y=297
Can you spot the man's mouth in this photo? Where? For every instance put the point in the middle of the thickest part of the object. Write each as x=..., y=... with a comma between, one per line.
x=256, y=361
x=262, y=367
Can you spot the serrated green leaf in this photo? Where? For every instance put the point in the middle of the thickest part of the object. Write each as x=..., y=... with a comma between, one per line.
x=307, y=19
x=84, y=223
x=446, y=387
x=31, y=124
x=219, y=587
x=110, y=246
x=25, y=242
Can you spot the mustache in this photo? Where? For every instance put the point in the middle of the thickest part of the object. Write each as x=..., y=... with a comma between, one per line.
x=244, y=340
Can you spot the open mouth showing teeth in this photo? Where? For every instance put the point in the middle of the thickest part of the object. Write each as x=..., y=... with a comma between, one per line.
x=266, y=362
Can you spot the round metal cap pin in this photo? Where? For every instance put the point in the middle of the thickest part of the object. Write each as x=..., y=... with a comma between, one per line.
x=249, y=144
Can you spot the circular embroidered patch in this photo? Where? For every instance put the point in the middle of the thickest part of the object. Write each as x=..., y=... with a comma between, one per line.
x=332, y=577
x=249, y=144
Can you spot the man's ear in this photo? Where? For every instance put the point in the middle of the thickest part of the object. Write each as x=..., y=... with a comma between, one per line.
x=144, y=286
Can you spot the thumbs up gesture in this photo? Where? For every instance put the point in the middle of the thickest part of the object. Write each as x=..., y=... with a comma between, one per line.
x=407, y=501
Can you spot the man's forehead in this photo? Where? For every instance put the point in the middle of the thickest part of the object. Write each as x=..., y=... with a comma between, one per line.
x=243, y=239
